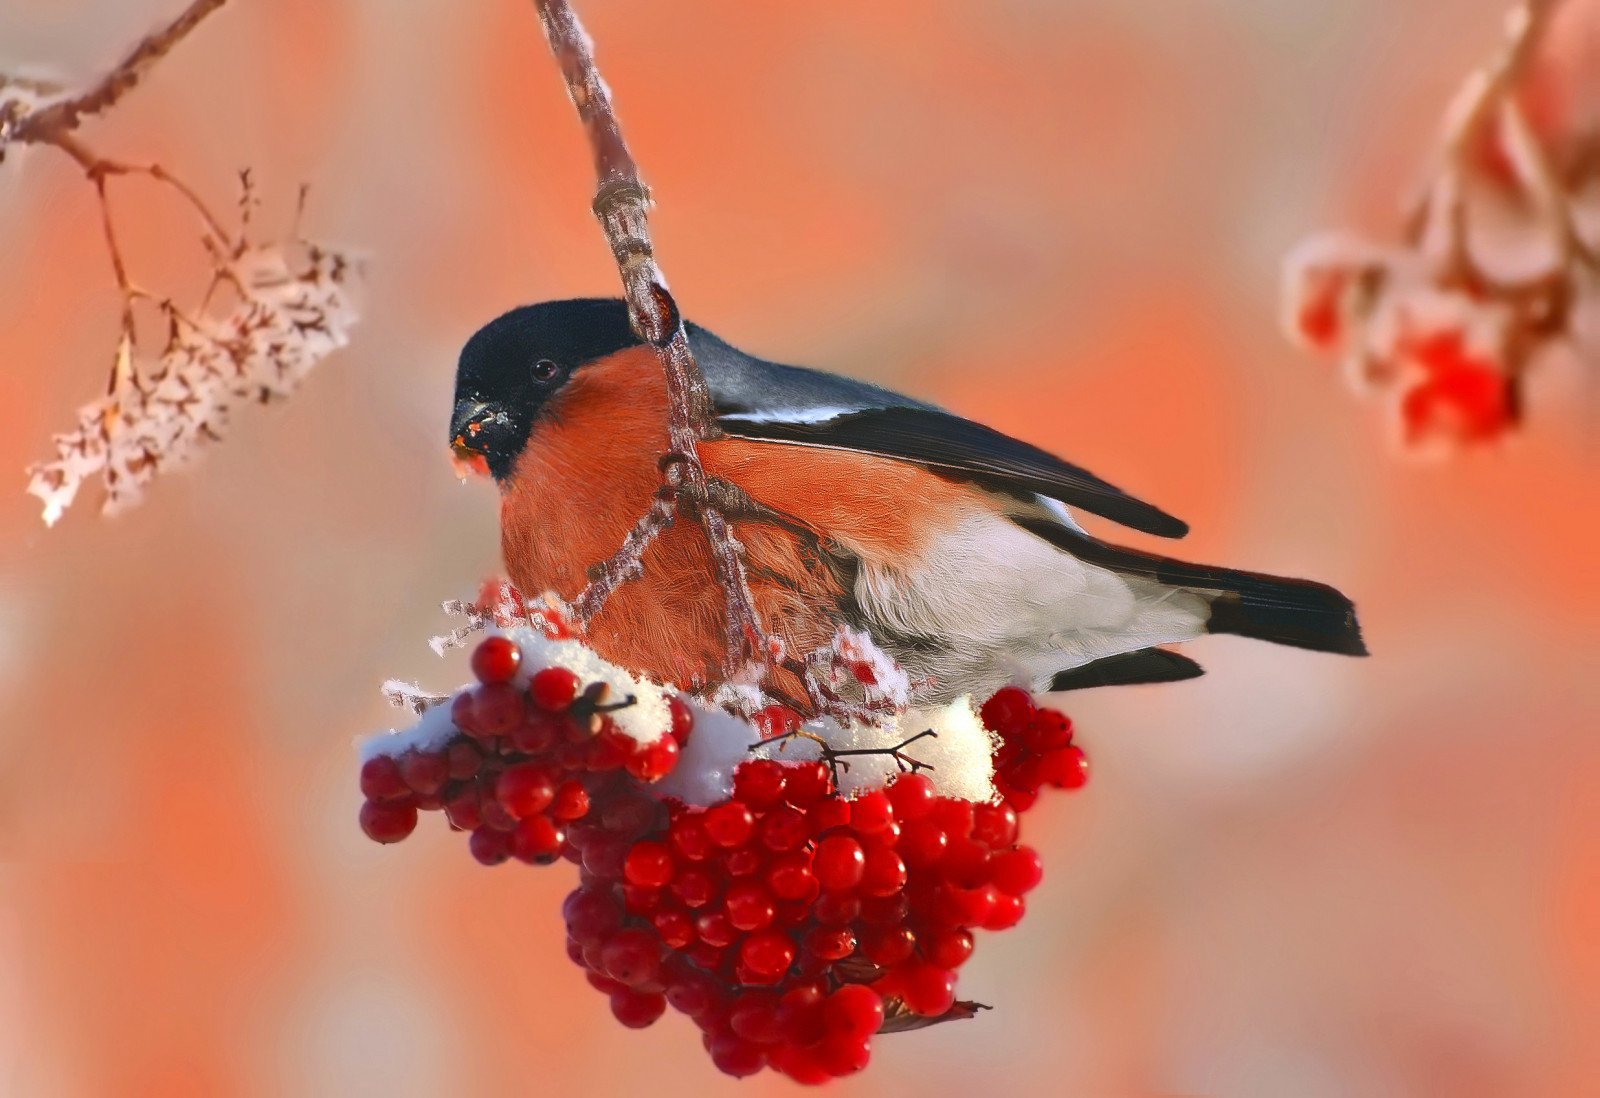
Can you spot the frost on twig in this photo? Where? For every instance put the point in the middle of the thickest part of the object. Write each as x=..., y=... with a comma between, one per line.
x=291, y=308
x=1499, y=259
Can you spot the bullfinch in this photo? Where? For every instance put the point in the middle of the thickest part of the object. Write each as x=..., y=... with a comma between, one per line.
x=951, y=544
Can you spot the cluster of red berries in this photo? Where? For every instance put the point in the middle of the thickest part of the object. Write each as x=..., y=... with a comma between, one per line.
x=530, y=763
x=789, y=922
x=1036, y=748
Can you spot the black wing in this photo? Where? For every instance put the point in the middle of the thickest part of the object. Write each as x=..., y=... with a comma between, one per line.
x=756, y=399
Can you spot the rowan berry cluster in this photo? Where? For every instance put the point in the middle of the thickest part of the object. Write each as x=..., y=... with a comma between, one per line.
x=527, y=762
x=789, y=921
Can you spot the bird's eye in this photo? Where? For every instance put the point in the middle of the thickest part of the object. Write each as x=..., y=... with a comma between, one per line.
x=545, y=371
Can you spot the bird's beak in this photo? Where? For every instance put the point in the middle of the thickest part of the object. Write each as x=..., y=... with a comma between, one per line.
x=467, y=452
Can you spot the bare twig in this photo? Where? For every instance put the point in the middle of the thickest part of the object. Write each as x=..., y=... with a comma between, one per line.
x=833, y=755
x=622, y=203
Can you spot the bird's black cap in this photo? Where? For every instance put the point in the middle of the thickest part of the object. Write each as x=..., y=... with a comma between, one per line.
x=514, y=364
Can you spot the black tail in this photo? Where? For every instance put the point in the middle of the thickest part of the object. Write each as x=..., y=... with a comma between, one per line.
x=1252, y=604
x=1129, y=669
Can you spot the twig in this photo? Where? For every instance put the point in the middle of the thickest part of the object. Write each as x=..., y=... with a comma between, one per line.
x=621, y=203
x=49, y=124
x=831, y=755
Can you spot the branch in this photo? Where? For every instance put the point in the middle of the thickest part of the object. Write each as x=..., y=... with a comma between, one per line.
x=50, y=124
x=622, y=203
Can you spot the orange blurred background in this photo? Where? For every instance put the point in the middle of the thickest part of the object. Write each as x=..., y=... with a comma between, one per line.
x=1299, y=875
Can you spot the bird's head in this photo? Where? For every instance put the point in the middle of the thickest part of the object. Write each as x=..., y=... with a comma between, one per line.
x=512, y=366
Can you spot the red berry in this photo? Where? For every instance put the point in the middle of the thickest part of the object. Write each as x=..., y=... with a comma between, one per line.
x=591, y=915
x=885, y=910
x=854, y=1009
x=675, y=927
x=884, y=873
x=912, y=796
x=462, y=810
x=715, y=929
x=465, y=759
x=965, y=906
x=922, y=844
x=872, y=812
x=828, y=814
x=785, y=828
x=800, y=1014
x=801, y=1064
x=636, y=1010
x=496, y=660
x=464, y=713
x=536, y=839
x=694, y=887
x=1050, y=730
x=525, y=789
x=498, y=708
x=749, y=906
x=538, y=733
x=842, y=1054
x=633, y=956
x=947, y=947
x=648, y=865
x=687, y=834
x=735, y=1057
x=755, y=1018
x=759, y=783
x=1008, y=711
x=744, y=862
x=729, y=824
x=790, y=877
x=489, y=846
x=1067, y=769
x=630, y=815
x=836, y=908
x=830, y=943
x=388, y=822
x=553, y=688
x=767, y=953
x=381, y=780
x=571, y=801
x=926, y=989
x=1006, y=912
x=654, y=762
x=994, y=825
x=887, y=946
x=966, y=862
x=954, y=816
x=840, y=863
x=807, y=783
x=1016, y=871
x=682, y=718
x=608, y=750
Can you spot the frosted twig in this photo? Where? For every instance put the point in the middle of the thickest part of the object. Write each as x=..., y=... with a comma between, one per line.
x=622, y=203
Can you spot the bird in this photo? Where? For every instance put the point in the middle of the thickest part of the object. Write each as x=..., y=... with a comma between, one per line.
x=956, y=548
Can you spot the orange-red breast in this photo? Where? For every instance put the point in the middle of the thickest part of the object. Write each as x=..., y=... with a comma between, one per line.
x=950, y=543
